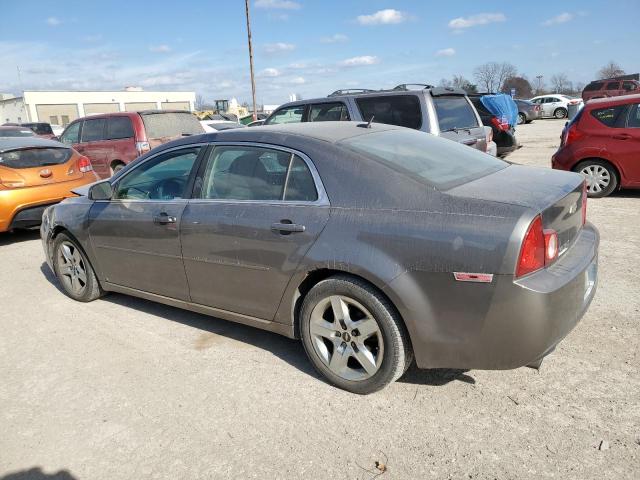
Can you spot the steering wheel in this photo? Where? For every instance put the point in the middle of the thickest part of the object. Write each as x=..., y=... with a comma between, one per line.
x=167, y=189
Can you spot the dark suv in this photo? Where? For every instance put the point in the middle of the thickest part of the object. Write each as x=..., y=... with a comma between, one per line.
x=446, y=112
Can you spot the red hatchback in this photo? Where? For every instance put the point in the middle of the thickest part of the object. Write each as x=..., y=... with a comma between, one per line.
x=113, y=140
x=603, y=143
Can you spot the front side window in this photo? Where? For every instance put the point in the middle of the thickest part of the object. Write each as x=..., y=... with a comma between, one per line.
x=164, y=177
x=118, y=128
x=610, y=116
x=256, y=173
x=613, y=86
x=287, y=115
x=93, y=130
x=328, y=112
x=71, y=134
x=634, y=117
x=454, y=112
x=400, y=110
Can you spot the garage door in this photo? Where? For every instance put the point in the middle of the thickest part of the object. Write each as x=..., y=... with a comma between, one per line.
x=138, y=106
x=175, y=106
x=93, y=108
x=64, y=113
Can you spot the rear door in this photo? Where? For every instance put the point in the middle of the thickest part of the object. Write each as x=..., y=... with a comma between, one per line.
x=458, y=121
x=630, y=151
x=93, y=144
x=612, y=89
x=121, y=139
x=136, y=234
x=256, y=211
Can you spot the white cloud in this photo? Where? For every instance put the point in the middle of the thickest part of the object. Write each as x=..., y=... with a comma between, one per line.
x=446, y=52
x=269, y=72
x=335, y=38
x=558, y=19
x=297, y=81
x=382, y=17
x=360, y=61
x=278, y=47
x=277, y=4
x=53, y=21
x=461, y=23
x=160, y=49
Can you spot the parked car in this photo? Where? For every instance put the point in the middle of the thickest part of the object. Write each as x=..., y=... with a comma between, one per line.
x=112, y=140
x=527, y=111
x=603, y=143
x=555, y=105
x=504, y=135
x=41, y=129
x=215, y=126
x=15, y=131
x=373, y=243
x=446, y=112
x=610, y=88
x=34, y=173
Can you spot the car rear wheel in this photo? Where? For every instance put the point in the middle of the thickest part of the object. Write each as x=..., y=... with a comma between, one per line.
x=522, y=118
x=601, y=177
x=353, y=335
x=560, y=113
x=74, y=270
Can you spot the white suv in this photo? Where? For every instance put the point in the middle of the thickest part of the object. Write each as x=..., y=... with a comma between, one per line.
x=555, y=105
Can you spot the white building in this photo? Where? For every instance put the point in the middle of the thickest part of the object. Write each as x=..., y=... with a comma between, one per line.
x=60, y=108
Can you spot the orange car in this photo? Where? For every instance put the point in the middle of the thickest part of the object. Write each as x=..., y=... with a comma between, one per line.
x=35, y=173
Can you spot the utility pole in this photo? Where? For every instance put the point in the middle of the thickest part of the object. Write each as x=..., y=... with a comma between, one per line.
x=539, y=84
x=253, y=80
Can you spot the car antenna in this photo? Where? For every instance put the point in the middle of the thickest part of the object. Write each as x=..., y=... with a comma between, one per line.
x=368, y=124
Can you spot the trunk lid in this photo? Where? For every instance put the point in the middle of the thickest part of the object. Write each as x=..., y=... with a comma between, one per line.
x=557, y=195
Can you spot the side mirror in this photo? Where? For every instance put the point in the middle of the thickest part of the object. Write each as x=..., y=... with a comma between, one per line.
x=101, y=191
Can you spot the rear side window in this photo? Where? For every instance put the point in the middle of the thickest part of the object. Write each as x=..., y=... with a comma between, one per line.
x=454, y=112
x=93, y=130
x=118, y=128
x=34, y=157
x=328, y=112
x=610, y=116
x=593, y=86
x=171, y=124
x=613, y=86
x=629, y=86
x=300, y=185
x=401, y=110
x=634, y=117
x=292, y=114
x=71, y=134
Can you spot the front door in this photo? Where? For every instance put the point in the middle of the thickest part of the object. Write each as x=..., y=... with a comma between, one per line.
x=258, y=211
x=136, y=235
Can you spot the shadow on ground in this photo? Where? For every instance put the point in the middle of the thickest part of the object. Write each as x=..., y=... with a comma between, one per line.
x=7, y=238
x=36, y=473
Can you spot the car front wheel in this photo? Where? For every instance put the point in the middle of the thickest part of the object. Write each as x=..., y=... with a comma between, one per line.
x=560, y=113
x=74, y=271
x=601, y=177
x=353, y=335
x=521, y=118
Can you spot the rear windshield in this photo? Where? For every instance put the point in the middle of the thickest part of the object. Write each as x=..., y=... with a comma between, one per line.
x=438, y=162
x=34, y=157
x=16, y=132
x=171, y=124
x=454, y=112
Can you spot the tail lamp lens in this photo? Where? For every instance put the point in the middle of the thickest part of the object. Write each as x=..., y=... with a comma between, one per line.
x=500, y=124
x=539, y=248
x=84, y=165
x=550, y=246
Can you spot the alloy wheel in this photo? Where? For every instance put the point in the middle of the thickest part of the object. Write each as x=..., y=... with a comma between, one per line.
x=598, y=178
x=71, y=268
x=346, y=337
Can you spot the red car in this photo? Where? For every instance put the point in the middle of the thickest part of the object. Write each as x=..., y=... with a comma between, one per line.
x=112, y=140
x=612, y=87
x=603, y=143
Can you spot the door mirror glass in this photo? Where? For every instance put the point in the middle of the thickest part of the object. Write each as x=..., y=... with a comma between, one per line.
x=101, y=191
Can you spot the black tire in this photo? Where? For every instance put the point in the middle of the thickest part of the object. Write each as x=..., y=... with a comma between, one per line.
x=90, y=288
x=522, y=118
x=560, y=113
x=595, y=164
x=396, y=355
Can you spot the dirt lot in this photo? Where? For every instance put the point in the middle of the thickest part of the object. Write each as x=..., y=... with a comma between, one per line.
x=123, y=388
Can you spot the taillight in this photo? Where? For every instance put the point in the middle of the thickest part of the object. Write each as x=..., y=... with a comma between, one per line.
x=500, y=124
x=142, y=147
x=84, y=165
x=584, y=202
x=572, y=134
x=539, y=248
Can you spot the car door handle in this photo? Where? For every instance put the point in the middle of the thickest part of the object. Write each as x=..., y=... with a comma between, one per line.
x=164, y=219
x=622, y=136
x=286, y=227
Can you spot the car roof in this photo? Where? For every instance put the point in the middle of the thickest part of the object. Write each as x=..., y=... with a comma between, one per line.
x=130, y=114
x=17, y=143
x=619, y=100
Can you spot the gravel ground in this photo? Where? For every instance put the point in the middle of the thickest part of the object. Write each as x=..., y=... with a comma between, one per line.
x=124, y=388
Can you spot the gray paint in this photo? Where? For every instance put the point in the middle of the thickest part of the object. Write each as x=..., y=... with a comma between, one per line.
x=403, y=236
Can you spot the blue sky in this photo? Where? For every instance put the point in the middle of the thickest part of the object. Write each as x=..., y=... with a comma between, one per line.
x=310, y=47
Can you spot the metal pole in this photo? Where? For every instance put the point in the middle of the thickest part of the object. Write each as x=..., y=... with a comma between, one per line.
x=253, y=81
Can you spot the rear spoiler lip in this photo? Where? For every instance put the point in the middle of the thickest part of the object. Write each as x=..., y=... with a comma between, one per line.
x=441, y=91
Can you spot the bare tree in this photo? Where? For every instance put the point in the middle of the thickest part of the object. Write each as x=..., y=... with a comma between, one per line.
x=610, y=70
x=578, y=87
x=460, y=82
x=444, y=82
x=490, y=76
x=561, y=83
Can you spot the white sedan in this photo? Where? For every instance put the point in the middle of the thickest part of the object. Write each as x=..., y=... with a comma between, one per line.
x=555, y=105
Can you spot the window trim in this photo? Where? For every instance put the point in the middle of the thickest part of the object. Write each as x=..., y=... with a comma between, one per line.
x=321, y=201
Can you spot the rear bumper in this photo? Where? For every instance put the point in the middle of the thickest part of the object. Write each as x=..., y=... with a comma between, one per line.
x=502, y=325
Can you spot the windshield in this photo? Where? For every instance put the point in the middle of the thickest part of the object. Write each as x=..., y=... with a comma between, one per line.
x=171, y=124
x=436, y=161
x=16, y=132
x=34, y=157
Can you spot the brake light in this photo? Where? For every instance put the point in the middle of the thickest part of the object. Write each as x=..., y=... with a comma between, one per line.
x=539, y=248
x=84, y=165
x=584, y=202
x=500, y=124
x=143, y=147
x=572, y=134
